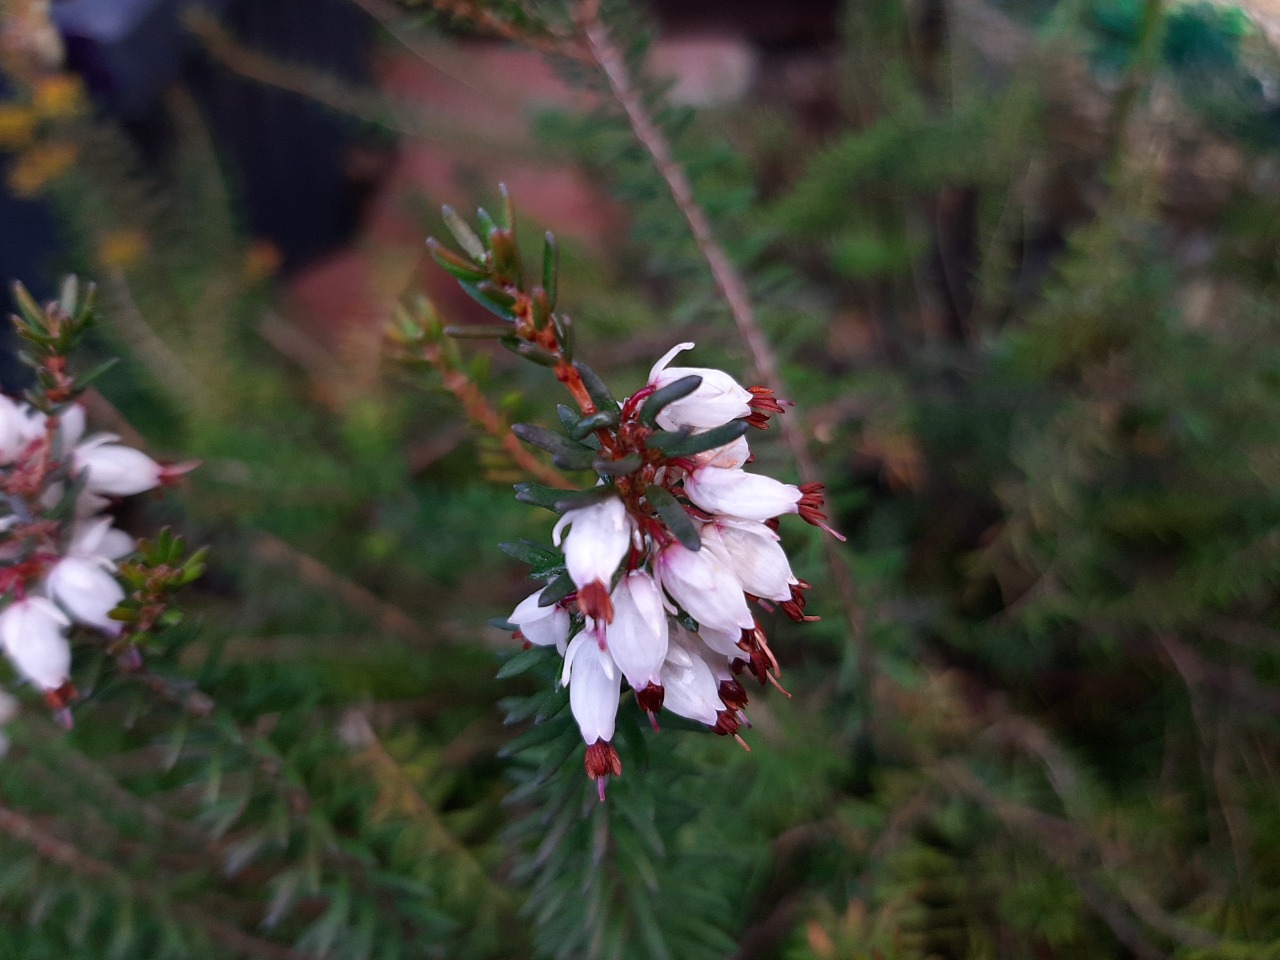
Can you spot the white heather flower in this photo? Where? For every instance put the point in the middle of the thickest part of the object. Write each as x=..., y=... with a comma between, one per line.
x=115, y=470
x=83, y=587
x=718, y=399
x=690, y=688
x=598, y=538
x=594, y=686
x=753, y=552
x=704, y=587
x=33, y=634
x=542, y=626
x=736, y=493
x=637, y=638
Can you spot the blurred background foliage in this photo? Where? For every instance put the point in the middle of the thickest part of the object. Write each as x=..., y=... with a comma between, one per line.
x=1018, y=262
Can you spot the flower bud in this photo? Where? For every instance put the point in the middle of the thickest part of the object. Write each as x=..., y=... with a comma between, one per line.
x=115, y=470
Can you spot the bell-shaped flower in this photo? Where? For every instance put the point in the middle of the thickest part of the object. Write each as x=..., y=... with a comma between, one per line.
x=752, y=550
x=690, y=687
x=598, y=538
x=718, y=399
x=594, y=686
x=736, y=493
x=703, y=586
x=83, y=587
x=115, y=470
x=542, y=626
x=637, y=638
x=33, y=633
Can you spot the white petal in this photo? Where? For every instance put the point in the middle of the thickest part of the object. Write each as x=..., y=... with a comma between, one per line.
x=542, y=626
x=71, y=425
x=754, y=554
x=736, y=493
x=594, y=690
x=115, y=470
x=598, y=539
x=689, y=688
x=728, y=457
x=32, y=633
x=666, y=359
x=86, y=591
x=706, y=588
x=637, y=638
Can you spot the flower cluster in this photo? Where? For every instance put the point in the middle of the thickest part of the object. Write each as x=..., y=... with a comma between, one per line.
x=58, y=548
x=668, y=557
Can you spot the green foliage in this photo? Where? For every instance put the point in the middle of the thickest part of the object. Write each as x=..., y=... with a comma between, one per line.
x=1040, y=371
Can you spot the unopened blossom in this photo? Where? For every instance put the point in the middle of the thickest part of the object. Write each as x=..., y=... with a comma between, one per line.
x=542, y=626
x=598, y=538
x=115, y=470
x=717, y=400
x=703, y=586
x=33, y=633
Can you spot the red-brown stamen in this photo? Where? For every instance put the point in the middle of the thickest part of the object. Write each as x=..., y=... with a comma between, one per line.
x=810, y=508
x=594, y=601
x=602, y=761
x=763, y=404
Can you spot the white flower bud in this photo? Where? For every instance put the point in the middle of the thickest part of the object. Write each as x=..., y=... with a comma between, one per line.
x=32, y=632
x=594, y=685
x=115, y=470
x=736, y=493
x=718, y=399
x=637, y=638
x=702, y=585
x=542, y=626
x=86, y=591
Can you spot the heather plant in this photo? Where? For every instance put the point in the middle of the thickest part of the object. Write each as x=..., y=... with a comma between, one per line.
x=1015, y=266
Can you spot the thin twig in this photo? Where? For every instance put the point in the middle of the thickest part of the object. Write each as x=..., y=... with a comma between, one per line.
x=609, y=59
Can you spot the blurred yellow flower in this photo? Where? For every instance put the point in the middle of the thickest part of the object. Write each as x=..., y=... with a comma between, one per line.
x=17, y=126
x=261, y=260
x=37, y=166
x=58, y=96
x=122, y=248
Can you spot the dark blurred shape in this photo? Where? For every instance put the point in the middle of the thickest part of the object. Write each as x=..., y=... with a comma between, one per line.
x=128, y=51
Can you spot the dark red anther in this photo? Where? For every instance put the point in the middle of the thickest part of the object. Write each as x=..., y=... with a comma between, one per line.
x=733, y=694
x=650, y=698
x=602, y=761
x=810, y=508
x=763, y=405
x=594, y=601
